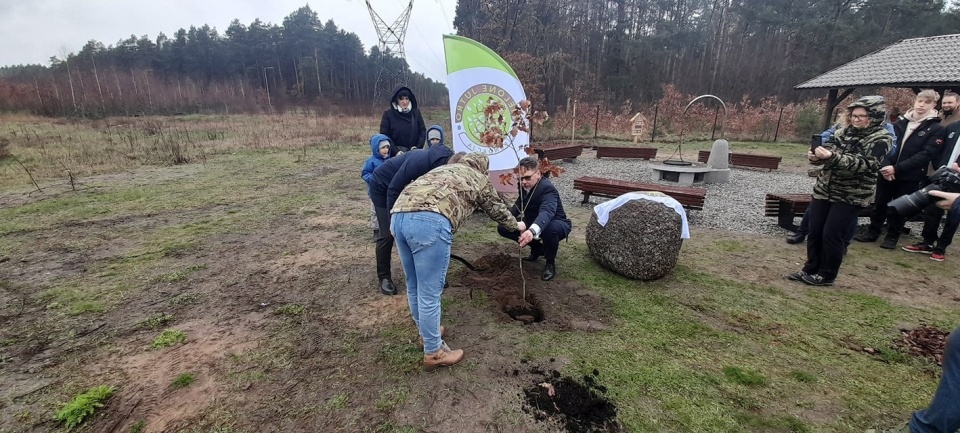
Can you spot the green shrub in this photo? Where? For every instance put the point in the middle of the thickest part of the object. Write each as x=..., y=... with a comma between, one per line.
x=83, y=405
x=808, y=121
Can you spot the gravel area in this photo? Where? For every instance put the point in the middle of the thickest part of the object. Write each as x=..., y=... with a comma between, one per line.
x=735, y=206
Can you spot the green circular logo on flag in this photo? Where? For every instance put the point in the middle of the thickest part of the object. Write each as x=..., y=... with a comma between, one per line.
x=470, y=116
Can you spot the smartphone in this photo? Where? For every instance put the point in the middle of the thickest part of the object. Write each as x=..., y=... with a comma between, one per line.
x=815, y=141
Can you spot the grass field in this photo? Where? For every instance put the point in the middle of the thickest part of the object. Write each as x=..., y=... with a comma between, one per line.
x=217, y=272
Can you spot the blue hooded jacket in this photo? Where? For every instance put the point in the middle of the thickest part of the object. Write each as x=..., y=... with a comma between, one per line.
x=439, y=129
x=376, y=159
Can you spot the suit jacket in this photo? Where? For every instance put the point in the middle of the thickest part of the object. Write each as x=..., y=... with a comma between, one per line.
x=540, y=206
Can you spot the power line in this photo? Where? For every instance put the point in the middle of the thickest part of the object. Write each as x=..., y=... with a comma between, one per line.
x=446, y=18
x=424, y=39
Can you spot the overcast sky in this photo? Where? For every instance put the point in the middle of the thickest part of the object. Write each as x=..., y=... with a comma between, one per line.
x=32, y=31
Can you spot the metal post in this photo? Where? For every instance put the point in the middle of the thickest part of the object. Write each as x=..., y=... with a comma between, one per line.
x=777, y=132
x=656, y=109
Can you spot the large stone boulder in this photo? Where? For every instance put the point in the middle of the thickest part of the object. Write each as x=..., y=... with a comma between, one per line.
x=641, y=240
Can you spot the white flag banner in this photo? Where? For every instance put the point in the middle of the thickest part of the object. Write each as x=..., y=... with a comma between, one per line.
x=476, y=76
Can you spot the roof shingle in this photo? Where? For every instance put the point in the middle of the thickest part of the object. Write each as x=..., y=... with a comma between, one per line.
x=918, y=62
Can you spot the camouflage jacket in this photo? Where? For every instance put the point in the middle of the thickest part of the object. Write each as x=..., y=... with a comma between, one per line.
x=850, y=174
x=455, y=191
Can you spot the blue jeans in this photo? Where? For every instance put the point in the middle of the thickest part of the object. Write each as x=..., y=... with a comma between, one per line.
x=943, y=414
x=423, y=242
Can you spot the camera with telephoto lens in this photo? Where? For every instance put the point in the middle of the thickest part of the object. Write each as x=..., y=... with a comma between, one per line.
x=943, y=179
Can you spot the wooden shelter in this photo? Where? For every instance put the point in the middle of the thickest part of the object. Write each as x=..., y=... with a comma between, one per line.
x=919, y=63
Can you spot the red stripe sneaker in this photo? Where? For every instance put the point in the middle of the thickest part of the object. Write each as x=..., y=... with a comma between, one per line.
x=918, y=247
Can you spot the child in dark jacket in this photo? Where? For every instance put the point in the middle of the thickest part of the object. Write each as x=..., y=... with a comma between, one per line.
x=380, y=146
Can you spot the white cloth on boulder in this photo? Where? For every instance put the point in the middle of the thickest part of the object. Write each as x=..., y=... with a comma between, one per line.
x=603, y=209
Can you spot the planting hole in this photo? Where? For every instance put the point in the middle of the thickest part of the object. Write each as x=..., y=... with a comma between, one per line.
x=521, y=311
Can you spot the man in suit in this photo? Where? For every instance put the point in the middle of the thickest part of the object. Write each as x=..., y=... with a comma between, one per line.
x=545, y=223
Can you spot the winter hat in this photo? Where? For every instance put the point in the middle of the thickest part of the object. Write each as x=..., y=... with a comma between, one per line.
x=383, y=143
x=403, y=94
x=433, y=133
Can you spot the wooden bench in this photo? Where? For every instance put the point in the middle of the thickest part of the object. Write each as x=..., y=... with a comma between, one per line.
x=554, y=152
x=626, y=152
x=690, y=198
x=746, y=160
x=787, y=206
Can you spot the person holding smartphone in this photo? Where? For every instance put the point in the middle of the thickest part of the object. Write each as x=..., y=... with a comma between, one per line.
x=849, y=163
x=816, y=140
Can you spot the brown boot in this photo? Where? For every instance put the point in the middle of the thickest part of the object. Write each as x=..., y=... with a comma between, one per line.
x=443, y=331
x=442, y=358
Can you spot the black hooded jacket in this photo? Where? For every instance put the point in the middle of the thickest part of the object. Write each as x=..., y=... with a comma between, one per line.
x=396, y=173
x=406, y=130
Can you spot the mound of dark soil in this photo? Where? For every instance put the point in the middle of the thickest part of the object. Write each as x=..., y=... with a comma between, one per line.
x=576, y=406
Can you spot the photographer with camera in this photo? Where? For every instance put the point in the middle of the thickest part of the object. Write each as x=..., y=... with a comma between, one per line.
x=933, y=243
x=942, y=414
x=921, y=138
x=847, y=180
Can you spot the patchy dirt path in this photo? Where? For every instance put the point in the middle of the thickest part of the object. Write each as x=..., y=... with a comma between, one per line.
x=285, y=330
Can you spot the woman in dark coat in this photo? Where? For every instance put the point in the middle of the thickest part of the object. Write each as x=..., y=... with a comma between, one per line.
x=403, y=123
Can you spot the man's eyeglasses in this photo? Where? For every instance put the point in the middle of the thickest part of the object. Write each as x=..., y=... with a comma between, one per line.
x=859, y=116
x=526, y=177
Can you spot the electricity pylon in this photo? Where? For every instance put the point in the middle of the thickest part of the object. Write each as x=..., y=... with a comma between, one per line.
x=391, y=37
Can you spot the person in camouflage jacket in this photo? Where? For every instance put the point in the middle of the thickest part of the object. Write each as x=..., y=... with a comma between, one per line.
x=850, y=161
x=424, y=218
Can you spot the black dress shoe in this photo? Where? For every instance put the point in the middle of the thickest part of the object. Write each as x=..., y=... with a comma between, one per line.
x=531, y=258
x=549, y=271
x=796, y=239
x=387, y=287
